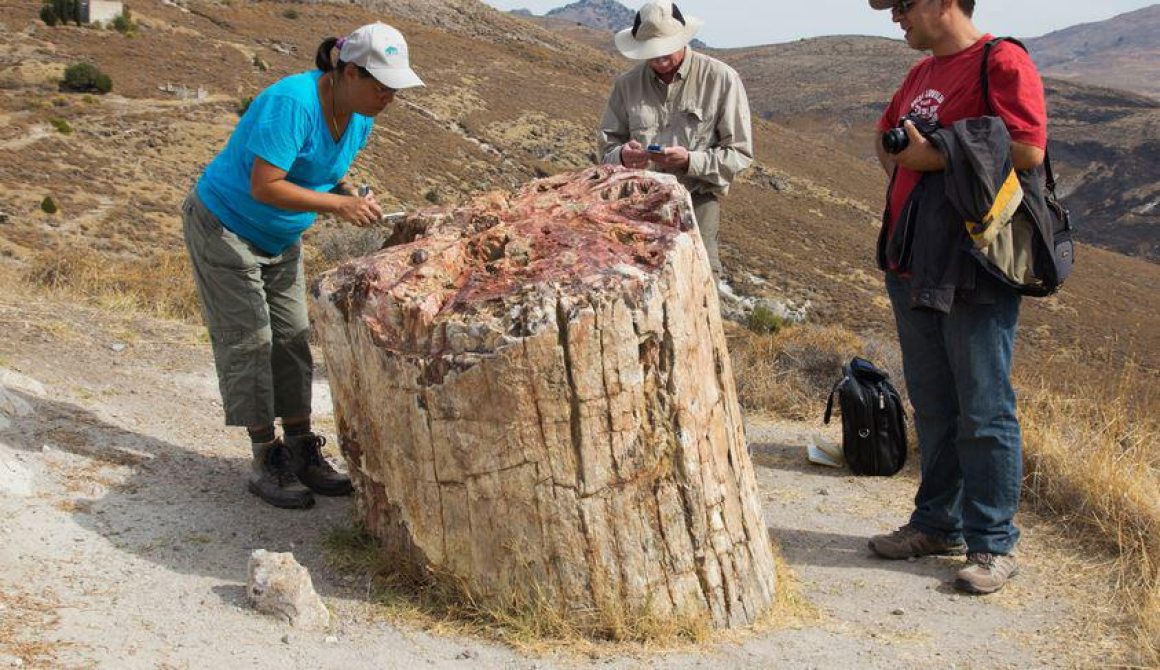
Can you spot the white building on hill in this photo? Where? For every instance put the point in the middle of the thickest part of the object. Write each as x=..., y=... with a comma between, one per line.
x=100, y=11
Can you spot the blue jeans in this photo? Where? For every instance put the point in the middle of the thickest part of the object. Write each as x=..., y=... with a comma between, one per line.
x=958, y=374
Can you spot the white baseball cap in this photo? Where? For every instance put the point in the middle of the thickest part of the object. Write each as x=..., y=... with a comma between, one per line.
x=382, y=51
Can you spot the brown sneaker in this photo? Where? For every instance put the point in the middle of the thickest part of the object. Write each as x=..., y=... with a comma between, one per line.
x=910, y=542
x=986, y=573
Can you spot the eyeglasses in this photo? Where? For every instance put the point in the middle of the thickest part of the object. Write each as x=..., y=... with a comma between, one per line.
x=383, y=89
x=901, y=7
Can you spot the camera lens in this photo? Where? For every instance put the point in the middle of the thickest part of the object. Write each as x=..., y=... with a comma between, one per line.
x=895, y=140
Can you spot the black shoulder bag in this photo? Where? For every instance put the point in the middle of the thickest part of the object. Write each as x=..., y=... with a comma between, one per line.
x=873, y=422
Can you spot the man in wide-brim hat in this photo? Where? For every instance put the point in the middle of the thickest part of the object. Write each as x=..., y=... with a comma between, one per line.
x=690, y=109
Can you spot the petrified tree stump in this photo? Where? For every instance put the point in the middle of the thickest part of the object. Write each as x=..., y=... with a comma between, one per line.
x=535, y=399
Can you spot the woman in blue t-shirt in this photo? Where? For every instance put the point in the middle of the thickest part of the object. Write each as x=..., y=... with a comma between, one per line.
x=283, y=165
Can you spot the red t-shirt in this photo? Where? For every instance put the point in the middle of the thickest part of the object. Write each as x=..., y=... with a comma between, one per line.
x=947, y=89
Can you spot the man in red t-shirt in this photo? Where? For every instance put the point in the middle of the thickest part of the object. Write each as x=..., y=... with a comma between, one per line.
x=957, y=364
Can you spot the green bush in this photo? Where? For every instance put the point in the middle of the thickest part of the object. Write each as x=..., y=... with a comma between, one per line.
x=62, y=126
x=290, y=13
x=85, y=77
x=48, y=205
x=763, y=321
x=244, y=104
x=49, y=16
x=61, y=11
x=123, y=24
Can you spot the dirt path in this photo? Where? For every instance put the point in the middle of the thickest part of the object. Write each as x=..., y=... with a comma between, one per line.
x=126, y=531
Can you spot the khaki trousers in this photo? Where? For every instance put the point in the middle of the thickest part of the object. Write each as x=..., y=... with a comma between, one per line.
x=707, y=209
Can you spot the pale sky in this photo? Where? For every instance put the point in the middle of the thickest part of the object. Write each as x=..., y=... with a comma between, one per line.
x=735, y=23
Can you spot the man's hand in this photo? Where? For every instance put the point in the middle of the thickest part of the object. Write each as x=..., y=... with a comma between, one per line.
x=633, y=155
x=674, y=159
x=920, y=155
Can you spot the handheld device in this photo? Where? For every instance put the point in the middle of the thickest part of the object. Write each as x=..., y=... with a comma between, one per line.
x=655, y=149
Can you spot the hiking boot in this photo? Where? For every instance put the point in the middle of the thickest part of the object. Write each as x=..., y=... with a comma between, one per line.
x=910, y=542
x=313, y=469
x=986, y=573
x=272, y=478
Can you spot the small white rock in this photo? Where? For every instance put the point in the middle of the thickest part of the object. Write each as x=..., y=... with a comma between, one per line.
x=280, y=586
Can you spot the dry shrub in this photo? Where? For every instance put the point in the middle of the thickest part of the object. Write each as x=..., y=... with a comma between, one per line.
x=331, y=246
x=1092, y=461
x=161, y=284
x=789, y=373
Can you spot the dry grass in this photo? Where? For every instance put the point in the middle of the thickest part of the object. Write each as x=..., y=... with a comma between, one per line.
x=23, y=618
x=1092, y=462
x=789, y=373
x=160, y=285
x=534, y=624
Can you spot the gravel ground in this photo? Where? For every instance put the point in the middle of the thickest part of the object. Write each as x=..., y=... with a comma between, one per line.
x=126, y=532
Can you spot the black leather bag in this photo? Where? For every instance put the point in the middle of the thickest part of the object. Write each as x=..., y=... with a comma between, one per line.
x=873, y=422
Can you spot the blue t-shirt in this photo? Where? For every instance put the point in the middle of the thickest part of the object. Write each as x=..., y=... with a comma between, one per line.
x=286, y=127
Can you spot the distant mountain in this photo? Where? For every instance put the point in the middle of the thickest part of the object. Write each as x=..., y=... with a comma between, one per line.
x=598, y=15
x=607, y=14
x=1122, y=52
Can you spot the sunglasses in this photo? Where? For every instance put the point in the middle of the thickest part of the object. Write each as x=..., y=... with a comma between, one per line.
x=901, y=7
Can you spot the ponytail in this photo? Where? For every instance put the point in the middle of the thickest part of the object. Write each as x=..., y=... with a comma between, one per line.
x=326, y=59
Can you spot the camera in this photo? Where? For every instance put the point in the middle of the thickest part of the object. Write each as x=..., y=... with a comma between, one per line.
x=655, y=149
x=896, y=140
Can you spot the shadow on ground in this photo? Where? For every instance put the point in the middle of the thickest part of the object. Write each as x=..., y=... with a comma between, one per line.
x=173, y=505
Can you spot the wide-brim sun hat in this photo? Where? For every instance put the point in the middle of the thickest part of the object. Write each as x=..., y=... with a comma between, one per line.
x=659, y=30
x=882, y=4
x=382, y=51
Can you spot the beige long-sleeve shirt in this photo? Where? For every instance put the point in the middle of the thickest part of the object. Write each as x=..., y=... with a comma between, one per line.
x=704, y=110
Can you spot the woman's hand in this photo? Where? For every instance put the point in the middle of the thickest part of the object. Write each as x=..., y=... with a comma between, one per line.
x=268, y=185
x=364, y=211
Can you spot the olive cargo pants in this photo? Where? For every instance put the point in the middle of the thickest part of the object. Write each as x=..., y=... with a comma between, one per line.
x=254, y=305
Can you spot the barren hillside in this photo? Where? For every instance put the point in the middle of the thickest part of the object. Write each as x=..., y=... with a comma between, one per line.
x=800, y=226
x=1122, y=52
x=1104, y=142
